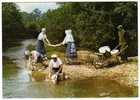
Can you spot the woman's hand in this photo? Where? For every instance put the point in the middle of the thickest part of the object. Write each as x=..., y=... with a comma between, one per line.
x=59, y=44
x=56, y=45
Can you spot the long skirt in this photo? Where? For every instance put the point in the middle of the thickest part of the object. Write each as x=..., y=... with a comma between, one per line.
x=71, y=50
x=124, y=54
x=40, y=47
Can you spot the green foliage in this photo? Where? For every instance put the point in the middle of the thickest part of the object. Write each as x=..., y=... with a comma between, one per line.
x=30, y=47
x=12, y=26
x=11, y=18
x=32, y=22
x=93, y=23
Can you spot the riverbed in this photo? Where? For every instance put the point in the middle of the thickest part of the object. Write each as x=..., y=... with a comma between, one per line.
x=17, y=84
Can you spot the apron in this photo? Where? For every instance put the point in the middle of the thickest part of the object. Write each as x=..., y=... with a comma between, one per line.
x=40, y=47
x=71, y=50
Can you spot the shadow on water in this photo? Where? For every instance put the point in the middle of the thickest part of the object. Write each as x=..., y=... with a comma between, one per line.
x=16, y=83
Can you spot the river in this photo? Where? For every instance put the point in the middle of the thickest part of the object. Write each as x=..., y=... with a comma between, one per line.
x=16, y=83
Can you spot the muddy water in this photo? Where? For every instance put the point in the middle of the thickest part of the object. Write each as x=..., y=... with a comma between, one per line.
x=16, y=83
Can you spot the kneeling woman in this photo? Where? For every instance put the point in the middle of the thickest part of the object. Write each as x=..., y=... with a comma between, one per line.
x=55, y=66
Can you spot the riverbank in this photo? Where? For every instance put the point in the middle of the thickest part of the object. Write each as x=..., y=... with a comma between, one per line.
x=81, y=77
x=125, y=74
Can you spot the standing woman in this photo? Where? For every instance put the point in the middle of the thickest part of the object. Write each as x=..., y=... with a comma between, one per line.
x=123, y=42
x=41, y=39
x=71, y=53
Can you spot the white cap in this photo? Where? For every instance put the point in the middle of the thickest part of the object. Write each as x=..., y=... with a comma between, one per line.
x=54, y=56
x=43, y=30
x=68, y=31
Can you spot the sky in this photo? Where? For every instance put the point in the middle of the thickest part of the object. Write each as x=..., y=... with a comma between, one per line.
x=29, y=7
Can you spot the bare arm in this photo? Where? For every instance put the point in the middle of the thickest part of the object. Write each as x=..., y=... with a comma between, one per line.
x=58, y=44
x=60, y=69
x=50, y=70
x=53, y=45
x=46, y=39
x=47, y=42
x=62, y=43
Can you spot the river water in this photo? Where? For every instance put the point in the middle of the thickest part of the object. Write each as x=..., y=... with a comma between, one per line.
x=16, y=83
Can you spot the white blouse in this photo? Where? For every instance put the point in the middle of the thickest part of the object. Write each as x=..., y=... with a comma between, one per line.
x=56, y=64
x=41, y=36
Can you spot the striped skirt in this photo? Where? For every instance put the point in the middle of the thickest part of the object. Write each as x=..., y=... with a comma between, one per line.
x=71, y=50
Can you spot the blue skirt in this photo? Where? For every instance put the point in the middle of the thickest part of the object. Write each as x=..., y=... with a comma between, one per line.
x=40, y=47
x=71, y=50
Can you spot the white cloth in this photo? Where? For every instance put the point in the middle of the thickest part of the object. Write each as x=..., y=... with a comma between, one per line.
x=35, y=55
x=41, y=36
x=115, y=51
x=68, y=37
x=104, y=49
x=56, y=64
x=27, y=52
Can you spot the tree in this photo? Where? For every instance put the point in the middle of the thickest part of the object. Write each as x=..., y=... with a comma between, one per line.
x=11, y=18
x=12, y=26
x=93, y=24
x=32, y=22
